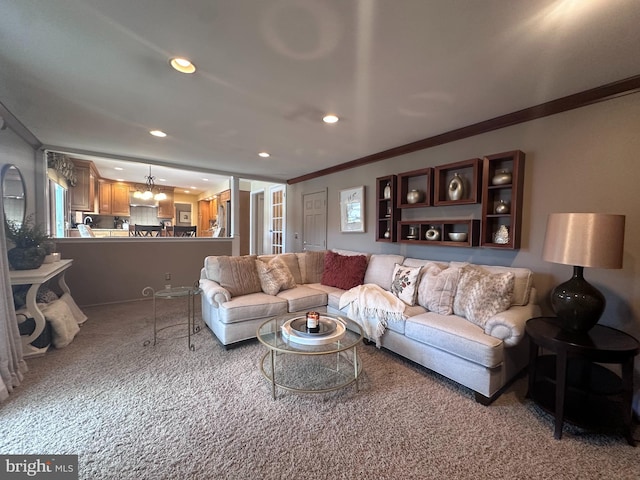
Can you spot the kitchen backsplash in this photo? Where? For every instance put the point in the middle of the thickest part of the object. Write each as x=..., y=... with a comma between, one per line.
x=139, y=215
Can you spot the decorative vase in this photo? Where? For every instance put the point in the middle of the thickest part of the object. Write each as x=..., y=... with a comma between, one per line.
x=387, y=234
x=414, y=196
x=433, y=233
x=502, y=207
x=502, y=177
x=26, y=258
x=456, y=188
x=413, y=232
x=387, y=191
x=502, y=235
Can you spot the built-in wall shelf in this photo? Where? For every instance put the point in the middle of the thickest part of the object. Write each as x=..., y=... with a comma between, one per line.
x=457, y=183
x=436, y=232
x=387, y=213
x=502, y=189
x=415, y=188
x=495, y=182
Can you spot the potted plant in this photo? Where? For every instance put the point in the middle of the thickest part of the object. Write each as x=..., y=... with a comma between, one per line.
x=27, y=237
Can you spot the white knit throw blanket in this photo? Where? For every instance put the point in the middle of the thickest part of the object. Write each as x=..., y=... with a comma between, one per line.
x=372, y=307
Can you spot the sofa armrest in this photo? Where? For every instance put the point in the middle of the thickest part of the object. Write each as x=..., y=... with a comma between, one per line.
x=509, y=325
x=213, y=292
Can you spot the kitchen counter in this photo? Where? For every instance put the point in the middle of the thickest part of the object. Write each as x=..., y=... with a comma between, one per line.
x=101, y=232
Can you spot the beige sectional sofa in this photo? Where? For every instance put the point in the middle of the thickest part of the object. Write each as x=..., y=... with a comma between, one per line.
x=480, y=352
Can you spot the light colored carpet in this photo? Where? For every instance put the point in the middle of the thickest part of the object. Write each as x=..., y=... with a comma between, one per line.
x=164, y=412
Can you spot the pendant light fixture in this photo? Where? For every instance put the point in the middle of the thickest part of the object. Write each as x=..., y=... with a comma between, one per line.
x=149, y=189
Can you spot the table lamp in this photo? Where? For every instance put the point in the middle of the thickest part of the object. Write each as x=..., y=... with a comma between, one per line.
x=582, y=240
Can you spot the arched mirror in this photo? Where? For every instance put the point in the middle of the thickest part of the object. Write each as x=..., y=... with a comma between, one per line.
x=14, y=194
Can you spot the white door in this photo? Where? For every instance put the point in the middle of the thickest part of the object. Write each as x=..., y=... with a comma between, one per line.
x=314, y=235
x=277, y=216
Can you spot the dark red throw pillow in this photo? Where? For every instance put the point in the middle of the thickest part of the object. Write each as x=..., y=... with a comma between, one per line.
x=343, y=271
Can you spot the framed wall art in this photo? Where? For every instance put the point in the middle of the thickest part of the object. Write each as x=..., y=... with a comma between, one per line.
x=352, y=210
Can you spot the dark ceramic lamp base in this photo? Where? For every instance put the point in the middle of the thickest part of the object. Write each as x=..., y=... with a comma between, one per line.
x=577, y=304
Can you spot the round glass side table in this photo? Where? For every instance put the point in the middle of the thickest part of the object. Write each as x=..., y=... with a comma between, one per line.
x=168, y=293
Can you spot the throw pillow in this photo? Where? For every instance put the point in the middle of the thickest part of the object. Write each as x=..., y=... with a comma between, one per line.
x=63, y=326
x=238, y=274
x=404, y=283
x=343, y=271
x=438, y=289
x=481, y=294
x=274, y=276
x=311, y=266
x=291, y=261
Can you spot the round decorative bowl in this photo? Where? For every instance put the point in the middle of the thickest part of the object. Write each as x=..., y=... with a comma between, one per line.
x=458, y=236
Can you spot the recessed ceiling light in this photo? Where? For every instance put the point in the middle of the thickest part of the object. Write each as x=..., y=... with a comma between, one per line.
x=118, y=168
x=183, y=65
x=205, y=179
x=187, y=191
x=330, y=119
x=162, y=179
x=158, y=133
x=264, y=155
x=192, y=187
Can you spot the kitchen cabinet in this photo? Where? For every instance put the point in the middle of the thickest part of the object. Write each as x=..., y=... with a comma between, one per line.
x=120, y=199
x=165, y=207
x=82, y=197
x=204, y=215
x=104, y=198
x=113, y=198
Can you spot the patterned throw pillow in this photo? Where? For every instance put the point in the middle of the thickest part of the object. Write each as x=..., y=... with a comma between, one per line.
x=438, y=289
x=274, y=276
x=405, y=283
x=482, y=294
x=343, y=271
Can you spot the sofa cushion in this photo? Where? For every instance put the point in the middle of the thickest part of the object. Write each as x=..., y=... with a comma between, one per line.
x=481, y=294
x=404, y=284
x=274, y=276
x=522, y=283
x=437, y=288
x=238, y=274
x=343, y=271
x=333, y=294
x=380, y=269
x=302, y=298
x=311, y=264
x=250, y=307
x=456, y=335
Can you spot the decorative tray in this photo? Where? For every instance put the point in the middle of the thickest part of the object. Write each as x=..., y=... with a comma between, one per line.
x=331, y=330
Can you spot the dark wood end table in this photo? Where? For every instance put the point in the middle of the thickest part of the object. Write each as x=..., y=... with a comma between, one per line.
x=571, y=384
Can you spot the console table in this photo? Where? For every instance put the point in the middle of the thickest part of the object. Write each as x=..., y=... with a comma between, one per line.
x=35, y=278
x=572, y=385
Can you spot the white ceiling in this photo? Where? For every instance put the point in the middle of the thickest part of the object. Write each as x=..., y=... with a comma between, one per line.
x=93, y=76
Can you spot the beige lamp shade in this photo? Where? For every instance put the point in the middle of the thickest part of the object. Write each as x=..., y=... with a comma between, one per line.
x=585, y=239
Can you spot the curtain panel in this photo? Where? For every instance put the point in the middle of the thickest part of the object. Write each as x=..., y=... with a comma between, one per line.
x=12, y=364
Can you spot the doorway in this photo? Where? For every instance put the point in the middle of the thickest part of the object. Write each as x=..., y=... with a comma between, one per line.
x=257, y=223
x=314, y=235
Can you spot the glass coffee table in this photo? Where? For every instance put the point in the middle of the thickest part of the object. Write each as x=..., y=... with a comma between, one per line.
x=310, y=363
